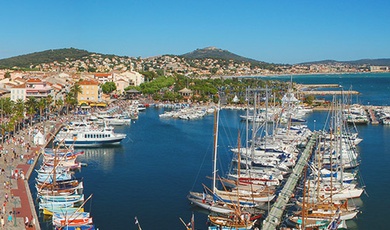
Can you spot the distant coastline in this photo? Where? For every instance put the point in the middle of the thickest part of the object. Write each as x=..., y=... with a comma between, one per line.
x=299, y=74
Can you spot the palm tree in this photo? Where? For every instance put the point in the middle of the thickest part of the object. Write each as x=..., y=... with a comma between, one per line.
x=59, y=103
x=75, y=90
x=8, y=106
x=31, y=106
x=41, y=105
x=49, y=100
x=69, y=101
x=19, y=109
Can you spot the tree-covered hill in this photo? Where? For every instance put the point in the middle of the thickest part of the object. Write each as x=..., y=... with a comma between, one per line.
x=215, y=53
x=47, y=56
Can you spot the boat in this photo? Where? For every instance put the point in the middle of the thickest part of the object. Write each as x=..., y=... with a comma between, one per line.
x=68, y=210
x=73, y=219
x=90, y=137
x=234, y=222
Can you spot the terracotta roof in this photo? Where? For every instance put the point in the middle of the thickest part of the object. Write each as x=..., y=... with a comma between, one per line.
x=88, y=82
x=102, y=74
x=22, y=86
x=33, y=80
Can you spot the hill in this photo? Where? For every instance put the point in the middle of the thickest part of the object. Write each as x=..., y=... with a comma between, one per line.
x=215, y=53
x=370, y=62
x=47, y=56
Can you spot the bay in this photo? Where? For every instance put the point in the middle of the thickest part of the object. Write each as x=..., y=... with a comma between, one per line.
x=150, y=174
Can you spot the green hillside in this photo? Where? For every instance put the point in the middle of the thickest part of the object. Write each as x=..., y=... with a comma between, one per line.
x=47, y=56
x=215, y=53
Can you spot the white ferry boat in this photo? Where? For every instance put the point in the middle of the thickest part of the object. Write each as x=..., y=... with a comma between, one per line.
x=90, y=137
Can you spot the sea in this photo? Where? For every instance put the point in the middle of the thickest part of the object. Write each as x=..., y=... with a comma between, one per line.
x=150, y=174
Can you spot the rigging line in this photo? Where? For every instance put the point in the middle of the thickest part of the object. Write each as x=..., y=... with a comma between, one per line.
x=206, y=154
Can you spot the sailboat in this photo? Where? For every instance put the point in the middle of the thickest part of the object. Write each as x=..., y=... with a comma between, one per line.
x=237, y=220
x=206, y=200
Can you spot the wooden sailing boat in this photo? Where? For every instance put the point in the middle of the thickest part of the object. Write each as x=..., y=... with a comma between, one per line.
x=239, y=219
x=203, y=199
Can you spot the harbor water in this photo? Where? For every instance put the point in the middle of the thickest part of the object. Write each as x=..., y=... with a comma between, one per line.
x=151, y=173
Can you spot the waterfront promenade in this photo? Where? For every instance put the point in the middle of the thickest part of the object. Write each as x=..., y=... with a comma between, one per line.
x=18, y=157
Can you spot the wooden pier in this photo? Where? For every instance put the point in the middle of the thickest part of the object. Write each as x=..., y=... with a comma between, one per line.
x=274, y=216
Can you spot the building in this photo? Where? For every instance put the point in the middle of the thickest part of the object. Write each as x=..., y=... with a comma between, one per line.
x=32, y=88
x=89, y=92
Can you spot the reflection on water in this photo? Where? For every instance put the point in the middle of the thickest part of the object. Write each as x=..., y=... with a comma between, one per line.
x=102, y=157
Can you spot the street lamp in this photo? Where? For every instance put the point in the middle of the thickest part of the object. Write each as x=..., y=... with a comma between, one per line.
x=15, y=202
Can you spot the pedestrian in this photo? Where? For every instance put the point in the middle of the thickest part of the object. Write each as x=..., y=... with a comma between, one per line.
x=26, y=222
x=6, y=197
x=2, y=222
x=32, y=223
x=9, y=217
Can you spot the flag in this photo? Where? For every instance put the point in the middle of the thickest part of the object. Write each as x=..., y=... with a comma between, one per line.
x=334, y=224
x=204, y=195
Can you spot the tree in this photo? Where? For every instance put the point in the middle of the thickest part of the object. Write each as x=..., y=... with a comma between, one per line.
x=31, y=106
x=108, y=87
x=42, y=104
x=49, y=100
x=75, y=90
x=19, y=112
x=309, y=99
x=7, y=75
x=58, y=104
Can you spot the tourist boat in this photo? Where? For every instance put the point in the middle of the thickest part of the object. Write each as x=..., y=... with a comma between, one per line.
x=49, y=178
x=59, y=185
x=91, y=137
x=237, y=221
x=43, y=205
x=62, y=198
x=68, y=210
x=79, y=227
x=74, y=219
x=117, y=119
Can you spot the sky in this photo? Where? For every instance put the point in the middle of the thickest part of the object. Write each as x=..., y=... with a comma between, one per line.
x=275, y=31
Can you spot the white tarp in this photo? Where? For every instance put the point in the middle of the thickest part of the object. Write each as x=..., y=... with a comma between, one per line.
x=39, y=139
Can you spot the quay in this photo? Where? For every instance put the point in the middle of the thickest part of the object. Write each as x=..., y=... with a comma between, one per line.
x=319, y=85
x=17, y=164
x=371, y=113
x=274, y=216
x=330, y=92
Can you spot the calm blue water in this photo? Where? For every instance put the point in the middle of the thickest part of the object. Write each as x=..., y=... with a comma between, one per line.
x=151, y=173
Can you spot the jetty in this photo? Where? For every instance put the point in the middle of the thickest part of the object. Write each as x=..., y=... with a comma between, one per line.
x=371, y=113
x=274, y=216
x=330, y=92
x=319, y=86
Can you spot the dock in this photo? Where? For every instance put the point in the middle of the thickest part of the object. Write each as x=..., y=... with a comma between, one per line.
x=330, y=92
x=273, y=219
x=319, y=86
x=16, y=157
x=373, y=119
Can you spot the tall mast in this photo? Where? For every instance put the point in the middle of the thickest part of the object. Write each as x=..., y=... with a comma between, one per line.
x=216, y=123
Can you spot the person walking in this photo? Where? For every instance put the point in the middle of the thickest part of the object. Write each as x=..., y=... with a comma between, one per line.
x=9, y=217
x=2, y=222
x=26, y=222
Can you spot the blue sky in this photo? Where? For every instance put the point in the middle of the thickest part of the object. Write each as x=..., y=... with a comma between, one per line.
x=277, y=31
